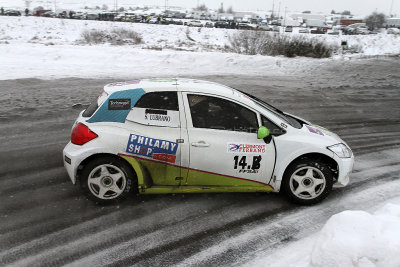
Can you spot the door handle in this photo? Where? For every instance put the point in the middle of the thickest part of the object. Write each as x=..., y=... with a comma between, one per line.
x=200, y=144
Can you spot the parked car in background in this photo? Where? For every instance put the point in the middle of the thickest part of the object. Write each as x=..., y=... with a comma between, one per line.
x=245, y=26
x=264, y=27
x=393, y=31
x=119, y=17
x=79, y=15
x=221, y=24
x=209, y=24
x=49, y=14
x=92, y=16
x=304, y=30
x=289, y=29
x=276, y=29
x=361, y=31
x=319, y=30
x=153, y=21
x=12, y=12
x=333, y=32
x=177, y=21
x=195, y=23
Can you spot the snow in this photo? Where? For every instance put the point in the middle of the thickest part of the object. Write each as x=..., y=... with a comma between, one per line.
x=52, y=48
x=360, y=238
x=349, y=238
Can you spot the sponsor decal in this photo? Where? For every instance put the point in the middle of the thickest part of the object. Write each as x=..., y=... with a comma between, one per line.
x=158, y=149
x=283, y=125
x=240, y=164
x=246, y=148
x=314, y=130
x=67, y=160
x=103, y=114
x=156, y=115
x=119, y=104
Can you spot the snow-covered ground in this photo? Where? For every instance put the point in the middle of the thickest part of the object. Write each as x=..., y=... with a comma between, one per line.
x=349, y=238
x=52, y=48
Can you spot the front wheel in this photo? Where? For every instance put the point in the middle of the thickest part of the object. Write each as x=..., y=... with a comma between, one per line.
x=107, y=179
x=307, y=182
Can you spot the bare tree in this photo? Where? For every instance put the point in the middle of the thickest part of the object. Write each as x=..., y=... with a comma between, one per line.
x=104, y=7
x=230, y=10
x=375, y=21
x=221, y=9
x=346, y=12
x=202, y=7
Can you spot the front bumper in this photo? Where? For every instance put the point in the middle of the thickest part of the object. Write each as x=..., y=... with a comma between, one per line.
x=345, y=169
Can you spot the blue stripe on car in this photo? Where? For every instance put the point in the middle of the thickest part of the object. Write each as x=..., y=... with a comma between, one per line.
x=103, y=114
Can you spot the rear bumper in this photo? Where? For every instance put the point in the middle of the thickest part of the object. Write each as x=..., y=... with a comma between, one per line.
x=73, y=155
x=71, y=159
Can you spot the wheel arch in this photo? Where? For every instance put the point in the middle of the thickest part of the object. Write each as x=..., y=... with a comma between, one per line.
x=92, y=157
x=332, y=164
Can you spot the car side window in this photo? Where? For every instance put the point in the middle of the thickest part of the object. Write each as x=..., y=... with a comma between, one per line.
x=273, y=129
x=159, y=100
x=217, y=113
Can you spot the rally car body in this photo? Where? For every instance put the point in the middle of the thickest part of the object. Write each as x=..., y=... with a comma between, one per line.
x=177, y=137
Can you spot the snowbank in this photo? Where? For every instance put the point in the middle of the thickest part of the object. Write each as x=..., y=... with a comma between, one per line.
x=66, y=31
x=124, y=62
x=358, y=238
x=36, y=47
x=349, y=238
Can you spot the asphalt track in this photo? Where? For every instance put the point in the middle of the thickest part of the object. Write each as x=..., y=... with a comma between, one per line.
x=46, y=221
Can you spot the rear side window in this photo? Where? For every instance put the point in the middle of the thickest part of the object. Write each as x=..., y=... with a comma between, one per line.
x=91, y=109
x=159, y=100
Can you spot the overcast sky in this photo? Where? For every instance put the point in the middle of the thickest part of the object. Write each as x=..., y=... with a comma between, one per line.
x=358, y=7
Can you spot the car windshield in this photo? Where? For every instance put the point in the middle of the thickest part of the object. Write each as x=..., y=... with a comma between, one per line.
x=293, y=122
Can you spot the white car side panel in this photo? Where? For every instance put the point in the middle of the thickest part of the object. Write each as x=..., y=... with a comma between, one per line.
x=209, y=151
x=170, y=118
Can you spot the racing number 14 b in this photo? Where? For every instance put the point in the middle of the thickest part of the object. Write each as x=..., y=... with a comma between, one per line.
x=242, y=162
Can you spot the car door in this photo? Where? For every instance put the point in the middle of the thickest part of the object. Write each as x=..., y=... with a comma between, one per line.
x=155, y=125
x=224, y=149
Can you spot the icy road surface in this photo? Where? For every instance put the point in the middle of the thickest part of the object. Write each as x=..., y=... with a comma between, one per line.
x=45, y=220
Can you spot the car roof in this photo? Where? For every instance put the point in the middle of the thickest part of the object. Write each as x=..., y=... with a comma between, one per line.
x=170, y=84
x=178, y=84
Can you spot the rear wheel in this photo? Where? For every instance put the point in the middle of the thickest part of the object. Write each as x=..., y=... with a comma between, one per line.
x=307, y=181
x=107, y=179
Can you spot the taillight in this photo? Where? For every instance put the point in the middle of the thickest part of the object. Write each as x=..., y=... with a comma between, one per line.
x=81, y=134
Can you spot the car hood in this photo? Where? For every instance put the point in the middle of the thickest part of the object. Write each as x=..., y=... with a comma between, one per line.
x=316, y=131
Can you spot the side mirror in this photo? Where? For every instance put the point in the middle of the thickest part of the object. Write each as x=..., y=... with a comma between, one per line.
x=263, y=133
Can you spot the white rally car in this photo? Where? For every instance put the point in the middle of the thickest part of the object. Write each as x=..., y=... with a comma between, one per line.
x=159, y=136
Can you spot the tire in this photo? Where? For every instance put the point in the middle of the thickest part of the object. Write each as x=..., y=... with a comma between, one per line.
x=107, y=179
x=307, y=182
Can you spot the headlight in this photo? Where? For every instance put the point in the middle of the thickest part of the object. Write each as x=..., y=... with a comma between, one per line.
x=341, y=150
